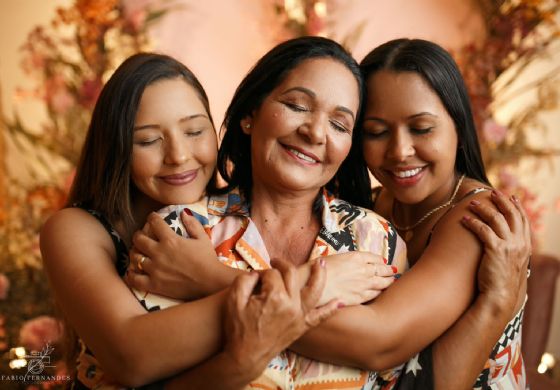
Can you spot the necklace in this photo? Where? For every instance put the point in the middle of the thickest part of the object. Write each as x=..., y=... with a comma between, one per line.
x=408, y=230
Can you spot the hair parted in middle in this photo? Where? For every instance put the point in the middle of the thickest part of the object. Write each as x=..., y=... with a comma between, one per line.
x=234, y=156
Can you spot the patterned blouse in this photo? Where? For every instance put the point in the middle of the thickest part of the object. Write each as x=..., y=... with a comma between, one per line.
x=239, y=244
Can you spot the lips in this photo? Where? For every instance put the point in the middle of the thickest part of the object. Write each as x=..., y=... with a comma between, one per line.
x=406, y=176
x=182, y=178
x=301, y=155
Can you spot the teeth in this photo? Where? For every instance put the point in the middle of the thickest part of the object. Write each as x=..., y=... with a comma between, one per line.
x=404, y=174
x=302, y=156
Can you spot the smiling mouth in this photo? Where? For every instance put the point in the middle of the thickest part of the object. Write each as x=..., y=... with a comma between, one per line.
x=300, y=155
x=180, y=178
x=404, y=174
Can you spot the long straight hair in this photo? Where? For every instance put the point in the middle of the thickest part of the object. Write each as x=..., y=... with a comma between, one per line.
x=102, y=180
x=436, y=66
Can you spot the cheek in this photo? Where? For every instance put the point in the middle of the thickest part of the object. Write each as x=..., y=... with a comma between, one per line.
x=373, y=154
x=340, y=148
x=207, y=151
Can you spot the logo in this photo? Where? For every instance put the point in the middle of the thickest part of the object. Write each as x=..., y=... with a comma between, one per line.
x=36, y=363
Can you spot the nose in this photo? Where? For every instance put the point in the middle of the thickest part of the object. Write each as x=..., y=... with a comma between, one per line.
x=176, y=151
x=315, y=129
x=401, y=145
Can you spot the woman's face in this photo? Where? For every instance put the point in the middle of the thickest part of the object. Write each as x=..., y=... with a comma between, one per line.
x=410, y=141
x=302, y=132
x=174, y=144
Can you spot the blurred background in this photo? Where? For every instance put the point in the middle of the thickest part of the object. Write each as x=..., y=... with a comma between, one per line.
x=55, y=56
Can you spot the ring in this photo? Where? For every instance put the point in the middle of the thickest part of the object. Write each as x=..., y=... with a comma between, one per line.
x=139, y=263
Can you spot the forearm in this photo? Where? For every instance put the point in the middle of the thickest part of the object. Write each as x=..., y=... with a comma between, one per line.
x=460, y=353
x=218, y=372
x=160, y=344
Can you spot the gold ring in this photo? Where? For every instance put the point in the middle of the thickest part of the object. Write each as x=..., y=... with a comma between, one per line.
x=139, y=264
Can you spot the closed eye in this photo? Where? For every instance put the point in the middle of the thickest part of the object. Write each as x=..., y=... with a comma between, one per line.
x=421, y=131
x=295, y=107
x=339, y=127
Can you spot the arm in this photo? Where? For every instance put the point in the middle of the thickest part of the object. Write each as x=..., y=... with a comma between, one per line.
x=259, y=325
x=135, y=347
x=425, y=302
x=457, y=361
x=353, y=278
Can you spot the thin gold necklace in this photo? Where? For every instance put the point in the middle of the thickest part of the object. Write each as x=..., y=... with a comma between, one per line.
x=408, y=229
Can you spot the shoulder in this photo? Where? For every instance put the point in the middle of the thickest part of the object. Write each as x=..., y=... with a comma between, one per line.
x=71, y=230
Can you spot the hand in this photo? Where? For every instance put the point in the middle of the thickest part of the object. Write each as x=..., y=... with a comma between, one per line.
x=260, y=324
x=506, y=236
x=174, y=266
x=356, y=277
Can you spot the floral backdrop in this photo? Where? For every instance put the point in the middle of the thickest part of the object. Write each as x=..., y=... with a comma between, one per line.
x=71, y=58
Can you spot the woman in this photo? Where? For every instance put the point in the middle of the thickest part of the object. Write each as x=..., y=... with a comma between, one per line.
x=285, y=135
x=151, y=142
x=419, y=141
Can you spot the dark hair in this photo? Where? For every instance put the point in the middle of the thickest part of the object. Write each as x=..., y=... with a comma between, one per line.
x=436, y=66
x=234, y=156
x=102, y=179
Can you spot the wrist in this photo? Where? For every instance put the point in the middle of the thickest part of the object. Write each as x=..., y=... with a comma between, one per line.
x=499, y=304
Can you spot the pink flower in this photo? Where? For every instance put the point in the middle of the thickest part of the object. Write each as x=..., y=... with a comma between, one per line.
x=57, y=95
x=493, y=132
x=37, y=332
x=4, y=286
x=90, y=91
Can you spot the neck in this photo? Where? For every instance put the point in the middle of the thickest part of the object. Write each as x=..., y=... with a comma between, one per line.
x=410, y=214
x=273, y=209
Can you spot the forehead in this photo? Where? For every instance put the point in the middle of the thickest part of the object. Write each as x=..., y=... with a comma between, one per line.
x=326, y=77
x=166, y=94
x=401, y=91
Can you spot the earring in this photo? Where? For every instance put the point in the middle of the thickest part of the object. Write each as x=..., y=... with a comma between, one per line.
x=248, y=126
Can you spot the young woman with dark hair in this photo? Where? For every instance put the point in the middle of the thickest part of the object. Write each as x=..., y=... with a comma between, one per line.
x=419, y=141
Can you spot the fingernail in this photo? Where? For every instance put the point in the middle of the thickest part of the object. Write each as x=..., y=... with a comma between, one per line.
x=395, y=270
x=322, y=262
x=515, y=199
x=466, y=218
x=340, y=305
x=475, y=202
x=397, y=276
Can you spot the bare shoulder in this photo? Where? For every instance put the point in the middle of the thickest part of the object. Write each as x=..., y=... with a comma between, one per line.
x=73, y=231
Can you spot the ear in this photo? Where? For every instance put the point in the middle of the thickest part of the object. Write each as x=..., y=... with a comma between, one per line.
x=246, y=125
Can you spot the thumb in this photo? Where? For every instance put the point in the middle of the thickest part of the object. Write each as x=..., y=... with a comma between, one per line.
x=193, y=227
x=316, y=316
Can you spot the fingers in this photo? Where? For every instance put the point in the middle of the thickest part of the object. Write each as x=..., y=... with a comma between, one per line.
x=316, y=316
x=242, y=288
x=288, y=273
x=192, y=226
x=159, y=227
x=525, y=221
x=140, y=262
x=137, y=280
x=370, y=258
x=492, y=218
x=481, y=230
x=382, y=270
x=311, y=292
x=271, y=282
x=509, y=210
x=143, y=243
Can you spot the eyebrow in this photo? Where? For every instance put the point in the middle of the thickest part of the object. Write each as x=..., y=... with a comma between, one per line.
x=184, y=119
x=373, y=118
x=312, y=94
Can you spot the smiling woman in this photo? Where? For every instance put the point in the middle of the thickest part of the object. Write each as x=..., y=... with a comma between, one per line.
x=174, y=149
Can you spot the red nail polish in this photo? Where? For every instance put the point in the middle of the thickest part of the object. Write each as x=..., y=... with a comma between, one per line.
x=340, y=305
x=395, y=270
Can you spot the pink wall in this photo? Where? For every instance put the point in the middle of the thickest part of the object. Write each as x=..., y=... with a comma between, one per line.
x=221, y=39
